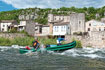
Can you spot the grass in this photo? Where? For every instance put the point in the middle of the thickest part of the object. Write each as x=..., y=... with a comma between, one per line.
x=26, y=41
x=78, y=43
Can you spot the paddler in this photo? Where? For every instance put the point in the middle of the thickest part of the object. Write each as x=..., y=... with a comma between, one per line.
x=59, y=39
x=36, y=43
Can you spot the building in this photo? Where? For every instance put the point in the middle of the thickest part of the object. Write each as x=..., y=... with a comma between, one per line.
x=7, y=24
x=103, y=20
x=94, y=25
x=22, y=25
x=45, y=30
x=30, y=28
x=56, y=19
x=61, y=29
x=38, y=29
x=77, y=22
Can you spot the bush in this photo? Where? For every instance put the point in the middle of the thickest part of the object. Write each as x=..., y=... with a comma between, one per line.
x=47, y=41
x=5, y=42
x=78, y=43
x=13, y=30
x=77, y=33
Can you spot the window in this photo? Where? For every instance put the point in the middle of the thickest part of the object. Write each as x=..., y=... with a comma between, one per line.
x=68, y=27
x=99, y=29
x=88, y=29
x=90, y=24
x=55, y=28
x=59, y=18
x=55, y=18
x=3, y=25
x=2, y=29
x=79, y=23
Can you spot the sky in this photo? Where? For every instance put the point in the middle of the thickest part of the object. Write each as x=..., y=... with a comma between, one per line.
x=6, y=5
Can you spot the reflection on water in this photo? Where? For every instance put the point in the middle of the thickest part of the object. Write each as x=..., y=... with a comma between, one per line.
x=73, y=59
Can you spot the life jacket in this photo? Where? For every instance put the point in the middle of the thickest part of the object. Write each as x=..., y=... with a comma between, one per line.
x=35, y=43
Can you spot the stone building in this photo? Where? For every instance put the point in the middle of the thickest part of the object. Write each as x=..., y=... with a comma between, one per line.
x=94, y=25
x=34, y=29
x=5, y=25
x=103, y=20
x=45, y=30
x=22, y=25
x=76, y=21
x=28, y=17
x=30, y=28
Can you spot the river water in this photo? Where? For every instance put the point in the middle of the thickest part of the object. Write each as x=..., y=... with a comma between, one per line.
x=73, y=59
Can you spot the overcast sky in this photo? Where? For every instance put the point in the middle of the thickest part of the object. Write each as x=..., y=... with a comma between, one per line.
x=6, y=5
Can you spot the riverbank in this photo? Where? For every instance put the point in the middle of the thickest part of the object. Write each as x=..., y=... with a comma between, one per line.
x=27, y=41
x=24, y=41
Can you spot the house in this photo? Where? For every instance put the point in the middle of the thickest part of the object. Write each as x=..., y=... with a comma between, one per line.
x=56, y=19
x=45, y=30
x=61, y=29
x=33, y=28
x=103, y=20
x=7, y=24
x=22, y=25
x=76, y=21
x=38, y=29
x=94, y=25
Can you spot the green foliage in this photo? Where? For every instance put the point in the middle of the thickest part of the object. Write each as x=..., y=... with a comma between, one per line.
x=43, y=13
x=13, y=30
x=47, y=41
x=25, y=41
x=41, y=20
x=78, y=43
x=5, y=42
x=24, y=32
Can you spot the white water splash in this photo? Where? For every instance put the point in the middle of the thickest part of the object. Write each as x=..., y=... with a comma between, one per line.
x=84, y=52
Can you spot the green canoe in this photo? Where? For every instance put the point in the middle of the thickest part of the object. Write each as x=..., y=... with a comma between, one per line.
x=52, y=48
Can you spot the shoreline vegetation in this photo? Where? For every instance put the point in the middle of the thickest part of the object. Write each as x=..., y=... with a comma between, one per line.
x=27, y=41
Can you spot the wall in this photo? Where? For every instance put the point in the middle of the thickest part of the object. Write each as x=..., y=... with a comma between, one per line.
x=11, y=35
x=77, y=22
x=45, y=30
x=30, y=28
x=5, y=26
x=95, y=26
x=96, y=40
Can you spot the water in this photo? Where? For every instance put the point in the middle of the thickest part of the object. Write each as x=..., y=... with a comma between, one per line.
x=73, y=59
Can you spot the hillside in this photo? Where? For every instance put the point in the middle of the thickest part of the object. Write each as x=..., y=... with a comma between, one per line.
x=40, y=15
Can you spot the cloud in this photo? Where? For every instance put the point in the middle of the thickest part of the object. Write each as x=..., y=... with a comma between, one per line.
x=54, y=3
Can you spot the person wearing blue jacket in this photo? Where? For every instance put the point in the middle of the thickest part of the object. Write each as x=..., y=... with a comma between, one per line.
x=59, y=39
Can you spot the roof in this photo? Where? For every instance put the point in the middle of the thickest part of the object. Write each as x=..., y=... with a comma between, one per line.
x=63, y=23
x=56, y=21
x=8, y=21
x=45, y=25
x=38, y=24
x=96, y=23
